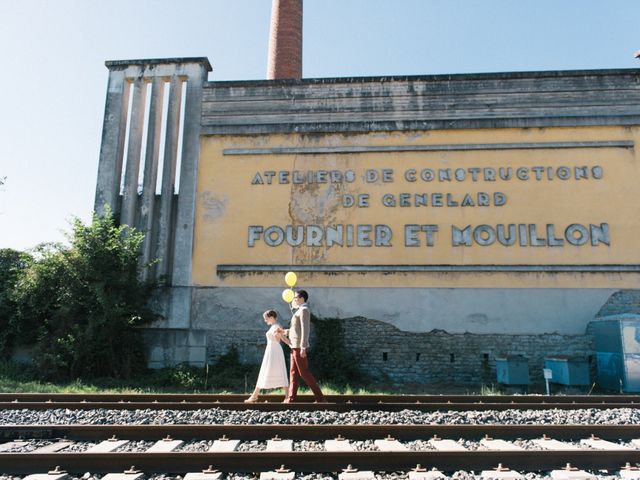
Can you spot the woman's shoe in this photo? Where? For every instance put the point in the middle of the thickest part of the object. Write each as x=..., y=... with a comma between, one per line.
x=251, y=399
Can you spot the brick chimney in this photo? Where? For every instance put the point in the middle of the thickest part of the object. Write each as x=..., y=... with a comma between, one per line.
x=285, y=40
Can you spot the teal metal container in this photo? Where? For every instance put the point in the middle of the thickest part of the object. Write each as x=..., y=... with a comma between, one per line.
x=512, y=370
x=567, y=370
x=617, y=344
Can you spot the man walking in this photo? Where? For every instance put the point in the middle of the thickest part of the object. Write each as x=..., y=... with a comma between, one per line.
x=298, y=334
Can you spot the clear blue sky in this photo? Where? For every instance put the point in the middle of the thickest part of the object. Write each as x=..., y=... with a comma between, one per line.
x=53, y=79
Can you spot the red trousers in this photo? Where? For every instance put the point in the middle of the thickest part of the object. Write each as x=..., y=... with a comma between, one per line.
x=300, y=368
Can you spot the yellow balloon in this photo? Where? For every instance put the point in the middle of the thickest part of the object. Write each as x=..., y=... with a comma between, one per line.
x=290, y=278
x=287, y=295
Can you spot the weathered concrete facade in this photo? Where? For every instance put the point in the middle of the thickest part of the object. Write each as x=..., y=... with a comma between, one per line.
x=475, y=299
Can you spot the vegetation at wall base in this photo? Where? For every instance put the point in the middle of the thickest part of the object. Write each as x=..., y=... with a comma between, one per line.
x=225, y=376
x=77, y=307
x=17, y=378
x=330, y=359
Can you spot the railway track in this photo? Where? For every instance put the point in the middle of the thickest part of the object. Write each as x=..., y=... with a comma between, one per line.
x=317, y=462
x=320, y=448
x=592, y=447
x=340, y=403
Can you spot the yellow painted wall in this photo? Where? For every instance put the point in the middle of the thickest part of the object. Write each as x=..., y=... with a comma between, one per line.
x=228, y=203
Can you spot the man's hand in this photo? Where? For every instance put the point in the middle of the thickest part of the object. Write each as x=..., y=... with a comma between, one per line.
x=303, y=353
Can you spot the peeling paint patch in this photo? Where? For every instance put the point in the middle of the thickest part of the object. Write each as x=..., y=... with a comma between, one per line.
x=213, y=206
x=312, y=204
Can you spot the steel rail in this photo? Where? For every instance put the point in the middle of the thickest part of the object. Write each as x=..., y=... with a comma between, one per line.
x=316, y=432
x=530, y=460
x=374, y=399
x=308, y=406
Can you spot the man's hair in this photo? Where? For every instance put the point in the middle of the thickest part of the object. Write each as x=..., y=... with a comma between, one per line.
x=271, y=313
x=303, y=294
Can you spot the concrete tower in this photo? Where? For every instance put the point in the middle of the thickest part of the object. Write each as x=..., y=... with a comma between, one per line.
x=285, y=40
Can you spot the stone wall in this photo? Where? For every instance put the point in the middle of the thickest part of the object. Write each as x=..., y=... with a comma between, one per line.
x=622, y=301
x=389, y=354
x=250, y=344
x=441, y=357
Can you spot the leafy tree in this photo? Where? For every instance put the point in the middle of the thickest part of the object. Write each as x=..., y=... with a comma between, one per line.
x=81, y=304
x=13, y=264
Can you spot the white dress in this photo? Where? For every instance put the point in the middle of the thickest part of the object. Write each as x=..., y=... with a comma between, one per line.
x=273, y=371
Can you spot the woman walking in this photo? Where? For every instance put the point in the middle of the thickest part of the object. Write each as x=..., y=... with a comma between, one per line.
x=273, y=371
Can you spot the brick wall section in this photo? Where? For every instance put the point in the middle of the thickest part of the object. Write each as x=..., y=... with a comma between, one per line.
x=623, y=301
x=250, y=344
x=443, y=357
x=285, y=40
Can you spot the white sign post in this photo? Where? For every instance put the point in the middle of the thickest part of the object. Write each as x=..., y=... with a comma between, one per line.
x=548, y=375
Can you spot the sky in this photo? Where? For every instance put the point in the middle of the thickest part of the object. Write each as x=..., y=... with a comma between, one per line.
x=53, y=79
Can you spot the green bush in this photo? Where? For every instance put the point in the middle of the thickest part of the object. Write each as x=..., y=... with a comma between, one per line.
x=227, y=374
x=80, y=305
x=180, y=377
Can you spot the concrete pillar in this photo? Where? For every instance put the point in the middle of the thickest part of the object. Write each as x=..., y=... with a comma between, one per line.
x=132, y=169
x=285, y=40
x=185, y=221
x=147, y=206
x=112, y=145
x=165, y=214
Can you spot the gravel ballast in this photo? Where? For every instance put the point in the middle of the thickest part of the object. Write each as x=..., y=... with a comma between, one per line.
x=216, y=416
